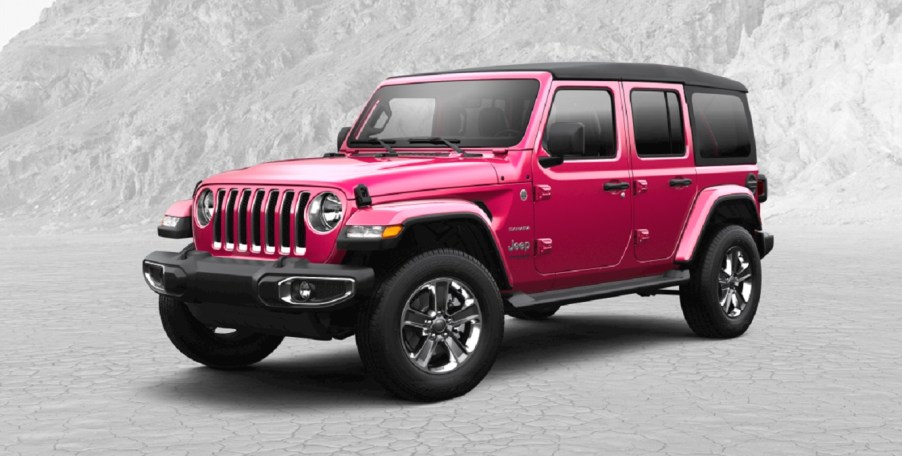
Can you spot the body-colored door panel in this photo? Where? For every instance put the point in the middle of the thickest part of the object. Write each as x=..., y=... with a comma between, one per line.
x=666, y=183
x=578, y=223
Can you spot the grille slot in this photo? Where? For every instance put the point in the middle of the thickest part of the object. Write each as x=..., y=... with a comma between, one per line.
x=217, y=220
x=242, y=220
x=270, y=220
x=260, y=220
x=256, y=208
x=285, y=223
x=230, y=220
x=300, y=237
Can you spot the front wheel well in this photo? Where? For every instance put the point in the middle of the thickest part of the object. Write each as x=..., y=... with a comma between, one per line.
x=466, y=234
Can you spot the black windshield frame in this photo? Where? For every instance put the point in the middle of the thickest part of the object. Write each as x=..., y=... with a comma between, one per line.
x=480, y=106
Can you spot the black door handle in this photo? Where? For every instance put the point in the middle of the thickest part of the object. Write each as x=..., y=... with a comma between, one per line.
x=611, y=186
x=680, y=182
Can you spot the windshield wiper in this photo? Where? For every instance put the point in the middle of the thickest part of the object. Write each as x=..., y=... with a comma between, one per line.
x=386, y=143
x=450, y=142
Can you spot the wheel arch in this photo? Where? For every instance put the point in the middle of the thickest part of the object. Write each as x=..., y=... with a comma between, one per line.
x=715, y=207
x=457, y=224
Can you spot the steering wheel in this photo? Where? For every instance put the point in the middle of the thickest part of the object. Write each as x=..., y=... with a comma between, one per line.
x=508, y=132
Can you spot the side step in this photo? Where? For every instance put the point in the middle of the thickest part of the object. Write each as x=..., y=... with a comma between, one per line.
x=643, y=285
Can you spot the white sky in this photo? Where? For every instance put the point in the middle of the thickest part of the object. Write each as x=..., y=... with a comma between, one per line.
x=18, y=15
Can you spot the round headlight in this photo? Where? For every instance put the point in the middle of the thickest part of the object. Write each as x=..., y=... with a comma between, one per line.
x=324, y=212
x=204, y=209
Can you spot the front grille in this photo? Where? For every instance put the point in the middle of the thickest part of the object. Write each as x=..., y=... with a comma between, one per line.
x=260, y=220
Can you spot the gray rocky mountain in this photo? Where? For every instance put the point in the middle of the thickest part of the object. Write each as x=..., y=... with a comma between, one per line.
x=114, y=108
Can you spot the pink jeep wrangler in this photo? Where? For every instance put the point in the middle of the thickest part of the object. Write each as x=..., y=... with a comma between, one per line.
x=463, y=196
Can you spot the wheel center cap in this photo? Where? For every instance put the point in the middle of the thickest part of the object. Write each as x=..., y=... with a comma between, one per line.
x=439, y=325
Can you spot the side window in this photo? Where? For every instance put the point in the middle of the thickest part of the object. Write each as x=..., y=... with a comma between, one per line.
x=657, y=123
x=594, y=109
x=721, y=126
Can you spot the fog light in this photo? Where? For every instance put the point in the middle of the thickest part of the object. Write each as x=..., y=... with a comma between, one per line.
x=302, y=290
x=153, y=275
x=315, y=291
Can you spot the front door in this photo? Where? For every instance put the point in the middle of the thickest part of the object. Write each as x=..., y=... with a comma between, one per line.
x=583, y=207
x=663, y=167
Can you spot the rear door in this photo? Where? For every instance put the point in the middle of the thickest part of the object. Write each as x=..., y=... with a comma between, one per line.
x=581, y=225
x=663, y=166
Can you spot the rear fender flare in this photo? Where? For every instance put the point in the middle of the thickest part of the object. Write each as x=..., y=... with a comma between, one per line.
x=705, y=206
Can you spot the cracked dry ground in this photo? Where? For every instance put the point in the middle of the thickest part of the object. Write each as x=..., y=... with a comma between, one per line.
x=86, y=369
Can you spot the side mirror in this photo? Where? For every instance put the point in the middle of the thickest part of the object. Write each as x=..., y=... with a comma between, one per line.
x=566, y=138
x=342, y=135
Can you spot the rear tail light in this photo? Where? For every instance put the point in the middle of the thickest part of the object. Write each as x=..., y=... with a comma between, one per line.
x=762, y=188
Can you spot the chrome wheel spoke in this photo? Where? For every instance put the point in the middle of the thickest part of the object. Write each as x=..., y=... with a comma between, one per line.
x=728, y=300
x=745, y=274
x=424, y=303
x=424, y=355
x=464, y=315
x=740, y=301
x=456, y=349
x=735, y=261
x=416, y=319
x=440, y=295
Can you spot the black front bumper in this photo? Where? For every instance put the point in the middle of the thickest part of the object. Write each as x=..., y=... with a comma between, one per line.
x=200, y=277
x=240, y=293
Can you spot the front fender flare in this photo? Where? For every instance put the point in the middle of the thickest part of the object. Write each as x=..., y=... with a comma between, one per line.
x=700, y=216
x=181, y=210
x=407, y=214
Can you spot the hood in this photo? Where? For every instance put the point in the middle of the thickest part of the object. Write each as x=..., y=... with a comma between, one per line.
x=382, y=176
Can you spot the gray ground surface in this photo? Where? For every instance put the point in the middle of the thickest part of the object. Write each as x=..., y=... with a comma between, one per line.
x=85, y=368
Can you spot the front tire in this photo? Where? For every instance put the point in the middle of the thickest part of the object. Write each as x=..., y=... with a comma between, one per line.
x=721, y=298
x=434, y=328
x=208, y=346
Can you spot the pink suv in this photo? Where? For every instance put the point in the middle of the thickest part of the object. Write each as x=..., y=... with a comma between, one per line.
x=463, y=196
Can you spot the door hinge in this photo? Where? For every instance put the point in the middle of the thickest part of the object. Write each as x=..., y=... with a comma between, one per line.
x=543, y=246
x=640, y=187
x=543, y=192
x=642, y=236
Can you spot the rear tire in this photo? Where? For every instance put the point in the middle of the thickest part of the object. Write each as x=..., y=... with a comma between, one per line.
x=205, y=345
x=534, y=314
x=434, y=327
x=721, y=298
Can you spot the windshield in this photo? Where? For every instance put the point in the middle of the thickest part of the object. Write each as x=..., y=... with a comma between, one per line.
x=485, y=113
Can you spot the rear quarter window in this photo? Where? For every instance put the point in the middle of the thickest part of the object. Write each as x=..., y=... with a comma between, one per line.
x=722, y=129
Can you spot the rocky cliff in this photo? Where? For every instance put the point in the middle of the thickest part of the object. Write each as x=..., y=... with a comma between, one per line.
x=114, y=108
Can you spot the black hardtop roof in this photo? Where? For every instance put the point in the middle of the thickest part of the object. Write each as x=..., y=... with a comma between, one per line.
x=603, y=71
